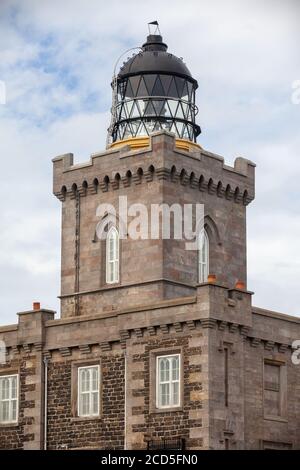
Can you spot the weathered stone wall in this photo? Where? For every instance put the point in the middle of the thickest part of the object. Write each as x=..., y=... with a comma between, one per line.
x=21, y=435
x=201, y=329
x=144, y=421
x=65, y=430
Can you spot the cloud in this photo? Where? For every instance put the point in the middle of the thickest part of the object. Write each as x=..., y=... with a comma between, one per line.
x=57, y=60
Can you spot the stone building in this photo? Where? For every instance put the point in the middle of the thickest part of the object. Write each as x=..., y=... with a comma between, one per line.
x=156, y=345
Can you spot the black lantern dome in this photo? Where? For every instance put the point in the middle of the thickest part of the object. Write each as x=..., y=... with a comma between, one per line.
x=154, y=90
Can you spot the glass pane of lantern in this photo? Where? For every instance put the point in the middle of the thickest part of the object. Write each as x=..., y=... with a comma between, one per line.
x=127, y=132
x=121, y=90
x=150, y=80
x=142, y=104
x=135, y=111
x=179, y=126
x=122, y=112
x=186, y=133
x=167, y=125
x=172, y=106
x=128, y=105
x=190, y=90
x=185, y=108
x=149, y=110
x=142, y=90
x=129, y=92
x=159, y=106
x=134, y=81
x=180, y=84
x=173, y=128
x=166, y=81
x=172, y=92
x=144, y=129
x=185, y=92
x=135, y=127
x=158, y=88
x=189, y=132
x=179, y=112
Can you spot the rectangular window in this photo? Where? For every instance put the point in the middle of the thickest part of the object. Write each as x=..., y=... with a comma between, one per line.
x=112, y=256
x=168, y=381
x=88, y=391
x=9, y=399
x=274, y=389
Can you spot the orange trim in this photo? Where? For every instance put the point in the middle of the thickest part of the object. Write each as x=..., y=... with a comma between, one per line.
x=136, y=143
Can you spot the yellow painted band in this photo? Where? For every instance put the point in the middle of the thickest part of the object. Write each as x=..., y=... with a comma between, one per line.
x=142, y=142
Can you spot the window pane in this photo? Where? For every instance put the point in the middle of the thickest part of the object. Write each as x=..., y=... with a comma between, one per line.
x=112, y=262
x=14, y=387
x=85, y=404
x=203, y=256
x=14, y=410
x=4, y=411
x=175, y=386
x=95, y=379
x=164, y=394
x=85, y=380
x=94, y=409
x=162, y=369
x=175, y=368
x=5, y=389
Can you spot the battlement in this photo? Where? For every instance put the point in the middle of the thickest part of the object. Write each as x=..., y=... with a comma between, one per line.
x=112, y=169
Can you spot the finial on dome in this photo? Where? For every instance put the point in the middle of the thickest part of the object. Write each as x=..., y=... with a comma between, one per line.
x=155, y=30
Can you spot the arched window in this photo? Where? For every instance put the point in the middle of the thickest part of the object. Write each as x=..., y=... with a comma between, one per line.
x=203, y=253
x=112, y=256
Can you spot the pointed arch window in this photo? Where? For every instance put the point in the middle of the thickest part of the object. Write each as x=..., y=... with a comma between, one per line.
x=112, y=256
x=203, y=253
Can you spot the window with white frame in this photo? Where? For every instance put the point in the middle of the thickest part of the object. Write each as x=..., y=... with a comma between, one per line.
x=8, y=399
x=203, y=253
x=88, y=391
x=112, y=256
x=168, y=381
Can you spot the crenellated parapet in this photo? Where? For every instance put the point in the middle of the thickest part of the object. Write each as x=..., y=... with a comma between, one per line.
x=121, y=168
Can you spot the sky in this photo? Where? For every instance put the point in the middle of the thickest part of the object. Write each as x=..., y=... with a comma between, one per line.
x=56, y=60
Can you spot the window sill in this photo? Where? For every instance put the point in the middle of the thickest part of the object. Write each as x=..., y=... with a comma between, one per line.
x=9, y=425
x=275, y=418
x=85, y=418
x=171, y=409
